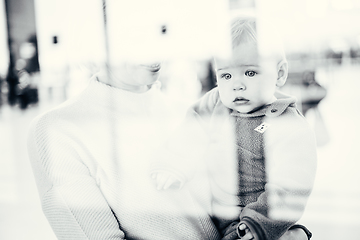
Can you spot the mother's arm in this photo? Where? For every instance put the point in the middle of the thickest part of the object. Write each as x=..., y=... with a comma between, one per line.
x=70, y=197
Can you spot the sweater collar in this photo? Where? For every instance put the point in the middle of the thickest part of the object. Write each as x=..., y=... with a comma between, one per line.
x=272, y=110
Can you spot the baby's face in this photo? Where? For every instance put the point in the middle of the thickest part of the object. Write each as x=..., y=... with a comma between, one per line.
x=245, y=83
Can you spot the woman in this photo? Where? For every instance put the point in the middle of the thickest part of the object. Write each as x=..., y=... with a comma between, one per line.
x=90, y=158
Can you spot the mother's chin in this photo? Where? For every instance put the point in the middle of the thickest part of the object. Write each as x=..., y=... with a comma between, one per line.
x=155, y=67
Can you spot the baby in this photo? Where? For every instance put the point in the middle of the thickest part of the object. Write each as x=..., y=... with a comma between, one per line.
x=260, y=152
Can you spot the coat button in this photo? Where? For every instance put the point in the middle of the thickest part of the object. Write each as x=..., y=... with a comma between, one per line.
x=273, y=110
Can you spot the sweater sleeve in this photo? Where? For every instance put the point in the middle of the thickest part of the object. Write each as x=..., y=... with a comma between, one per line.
x=290, y=168
x=70, y=197
x=183, y=152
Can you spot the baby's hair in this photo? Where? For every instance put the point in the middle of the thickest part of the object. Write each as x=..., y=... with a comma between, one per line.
x=243, y=30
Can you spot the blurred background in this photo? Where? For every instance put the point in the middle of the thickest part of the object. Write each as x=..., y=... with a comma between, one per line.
x=50, y=48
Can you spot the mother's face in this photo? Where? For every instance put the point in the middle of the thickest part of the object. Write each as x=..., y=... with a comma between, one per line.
x=135, y=76
x=143, y=73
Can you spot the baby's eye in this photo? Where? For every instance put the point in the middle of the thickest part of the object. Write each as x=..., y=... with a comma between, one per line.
x=250, y=73
x=226, y=76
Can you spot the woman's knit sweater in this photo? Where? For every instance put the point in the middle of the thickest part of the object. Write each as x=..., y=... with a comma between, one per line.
x=91, y=158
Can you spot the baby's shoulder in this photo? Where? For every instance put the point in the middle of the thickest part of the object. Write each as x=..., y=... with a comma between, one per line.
x=211, y=97
x=209, y=103
x=293, y=114
x=291, y=123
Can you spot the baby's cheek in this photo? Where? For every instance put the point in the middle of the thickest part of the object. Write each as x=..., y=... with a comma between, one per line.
x=227, y=101
x=229, y=104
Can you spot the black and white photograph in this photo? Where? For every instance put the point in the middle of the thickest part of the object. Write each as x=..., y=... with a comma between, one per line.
x=179, y=119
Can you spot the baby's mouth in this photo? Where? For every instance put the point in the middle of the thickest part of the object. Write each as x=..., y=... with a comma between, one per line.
x=240, y=101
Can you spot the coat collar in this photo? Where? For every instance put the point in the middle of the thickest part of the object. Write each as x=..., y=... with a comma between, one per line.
x=272, y=110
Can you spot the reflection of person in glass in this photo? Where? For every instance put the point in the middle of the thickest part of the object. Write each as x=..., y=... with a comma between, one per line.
x=275, y=146
x=90, y=158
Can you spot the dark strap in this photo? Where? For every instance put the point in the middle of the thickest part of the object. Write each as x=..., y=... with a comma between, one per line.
x=308, y=233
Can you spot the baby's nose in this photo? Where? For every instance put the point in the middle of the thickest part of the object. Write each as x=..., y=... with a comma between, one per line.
x=239, y=85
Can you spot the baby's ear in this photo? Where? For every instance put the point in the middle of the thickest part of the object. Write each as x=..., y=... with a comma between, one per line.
x=282, y=70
